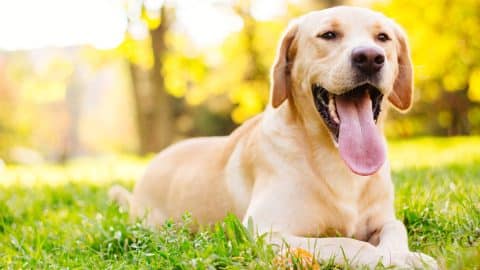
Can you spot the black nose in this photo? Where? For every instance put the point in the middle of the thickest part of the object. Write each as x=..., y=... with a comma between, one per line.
x=368, y=60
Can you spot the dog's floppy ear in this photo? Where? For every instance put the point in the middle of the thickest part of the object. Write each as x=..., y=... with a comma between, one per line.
x=281, y=68
x=402, y=94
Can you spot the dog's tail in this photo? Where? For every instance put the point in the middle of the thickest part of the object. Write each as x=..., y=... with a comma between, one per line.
x=120, y=195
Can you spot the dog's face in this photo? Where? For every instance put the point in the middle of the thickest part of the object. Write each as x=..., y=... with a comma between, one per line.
x=337, y=65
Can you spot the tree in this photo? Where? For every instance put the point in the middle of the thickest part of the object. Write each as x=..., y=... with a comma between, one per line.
x=446, y=54
x=154, y=106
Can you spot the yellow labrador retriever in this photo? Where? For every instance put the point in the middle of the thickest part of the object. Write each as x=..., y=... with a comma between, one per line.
x=313, y=165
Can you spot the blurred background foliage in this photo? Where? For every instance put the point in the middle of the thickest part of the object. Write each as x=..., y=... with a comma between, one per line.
x=445, y=44
x=172, y=75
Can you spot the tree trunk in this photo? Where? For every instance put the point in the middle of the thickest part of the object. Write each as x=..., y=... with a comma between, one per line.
x=154, y=107
x=459, y=105
x=73, y=99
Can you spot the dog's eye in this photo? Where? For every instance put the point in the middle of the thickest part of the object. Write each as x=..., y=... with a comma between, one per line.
x=383, y=37
x=328, y=35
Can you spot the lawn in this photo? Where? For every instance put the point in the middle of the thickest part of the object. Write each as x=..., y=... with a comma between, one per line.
x=58, y=217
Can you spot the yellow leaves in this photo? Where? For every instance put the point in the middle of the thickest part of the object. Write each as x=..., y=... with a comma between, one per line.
x=196, y=97
x=250, y=97
x=445, y=47
x=138, y=52
x=474, y=85
x=434, y=54
x=266, y=40
x=43, y=91
x=152, y=18
x=471, y=26
x=403, y=127
x=474, y=117
x=444, y=118
x=47, y=84
x=176, y=82
x=453, y=82
x=230, y=74
x=183, y=76
x=430, y=91
x=60, y=68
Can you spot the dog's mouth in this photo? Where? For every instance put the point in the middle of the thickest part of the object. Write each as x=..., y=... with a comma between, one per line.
x=351, y=119
x=326, y=106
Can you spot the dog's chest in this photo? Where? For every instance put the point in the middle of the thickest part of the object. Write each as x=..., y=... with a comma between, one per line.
x=343, y=219
x=337, y=210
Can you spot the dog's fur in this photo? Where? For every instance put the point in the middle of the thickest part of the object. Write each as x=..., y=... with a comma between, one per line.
x=282, y=168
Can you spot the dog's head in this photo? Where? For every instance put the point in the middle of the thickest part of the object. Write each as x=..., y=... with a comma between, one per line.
x=336, y=65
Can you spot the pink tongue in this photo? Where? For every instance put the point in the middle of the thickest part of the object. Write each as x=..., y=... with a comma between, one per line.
x=360, y=143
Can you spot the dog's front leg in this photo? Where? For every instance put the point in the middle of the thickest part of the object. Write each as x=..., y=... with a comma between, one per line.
x=393, y=244
x=393, y=237
x=342, y=251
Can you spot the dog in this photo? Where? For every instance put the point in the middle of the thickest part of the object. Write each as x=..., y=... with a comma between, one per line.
x=312, y=167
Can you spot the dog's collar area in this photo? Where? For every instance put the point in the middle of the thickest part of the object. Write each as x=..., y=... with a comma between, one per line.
x=325, y=104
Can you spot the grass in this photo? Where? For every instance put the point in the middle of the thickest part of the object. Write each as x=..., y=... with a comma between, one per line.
x=57, y=217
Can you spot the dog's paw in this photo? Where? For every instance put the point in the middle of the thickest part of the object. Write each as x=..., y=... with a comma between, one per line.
x=421, y=260
x=411, y=260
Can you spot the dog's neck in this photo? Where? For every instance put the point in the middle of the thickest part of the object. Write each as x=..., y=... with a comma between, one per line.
x=315, y=133
x=314, y=142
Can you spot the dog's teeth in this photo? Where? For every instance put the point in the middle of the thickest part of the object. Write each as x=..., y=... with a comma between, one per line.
x=319, y=97
x=332, y=109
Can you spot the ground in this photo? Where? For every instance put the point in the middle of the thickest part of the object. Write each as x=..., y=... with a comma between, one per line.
x=54, y=217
